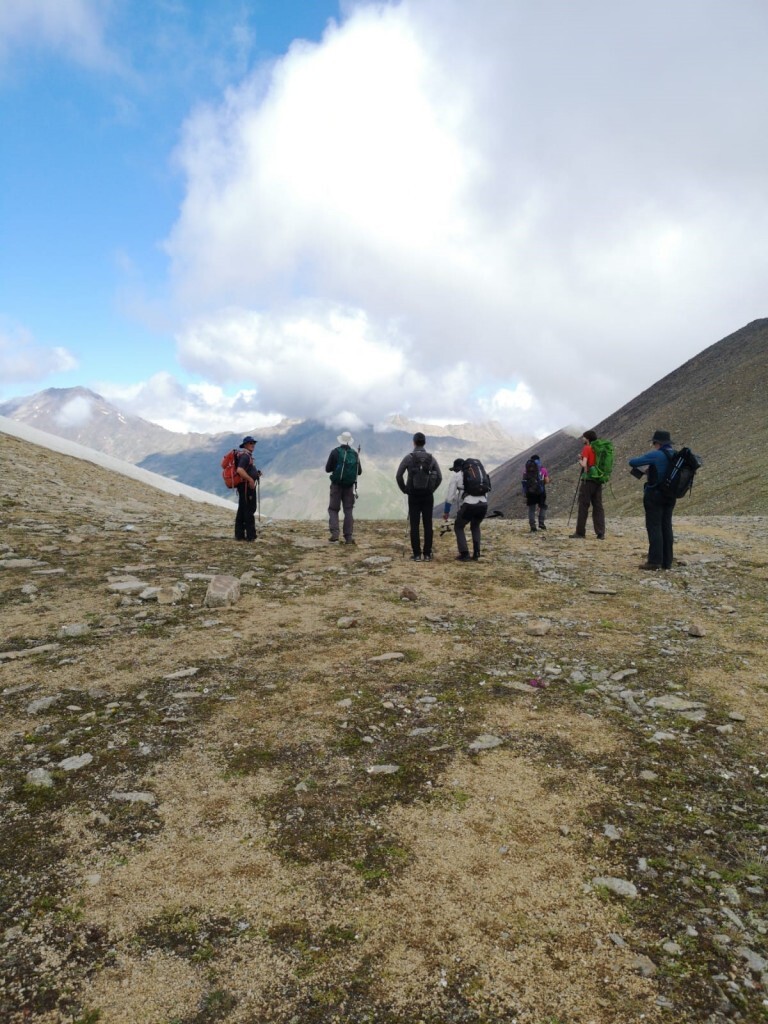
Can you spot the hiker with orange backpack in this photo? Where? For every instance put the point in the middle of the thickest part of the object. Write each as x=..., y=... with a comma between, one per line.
x=247, y=490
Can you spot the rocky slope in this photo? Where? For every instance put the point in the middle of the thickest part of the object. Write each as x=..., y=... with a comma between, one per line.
x=715, y=404
x=531, y=788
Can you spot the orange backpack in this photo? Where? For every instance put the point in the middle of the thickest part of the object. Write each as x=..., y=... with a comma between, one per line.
x=229, y=469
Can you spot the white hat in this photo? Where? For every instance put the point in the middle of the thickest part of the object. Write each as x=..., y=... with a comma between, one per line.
x=345, y=437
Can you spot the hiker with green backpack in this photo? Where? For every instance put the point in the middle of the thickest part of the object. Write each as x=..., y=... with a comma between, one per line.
x=596, y=461
x=344, y=466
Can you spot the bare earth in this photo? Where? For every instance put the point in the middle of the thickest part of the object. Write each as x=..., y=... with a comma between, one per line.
x=227, y=854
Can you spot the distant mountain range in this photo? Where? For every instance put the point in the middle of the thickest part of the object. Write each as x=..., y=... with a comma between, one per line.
x=715, y=404
x=292, y=454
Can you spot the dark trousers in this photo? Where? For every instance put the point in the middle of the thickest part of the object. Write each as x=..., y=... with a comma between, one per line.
x=420, y=506
x=590, y=493
x=473, y=514
x=533, y=502
x=658, y=525
x=341, y=497
x=245, y=520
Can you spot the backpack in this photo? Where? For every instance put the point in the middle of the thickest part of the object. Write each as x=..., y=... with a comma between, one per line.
x=603, y=461
x=229, y=469
x=345, y=471
x=477, y=483
x=679, y=478
x=420, y=475
x=532, y=482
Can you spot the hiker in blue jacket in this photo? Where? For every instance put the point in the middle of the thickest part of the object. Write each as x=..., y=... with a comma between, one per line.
x=658, y=507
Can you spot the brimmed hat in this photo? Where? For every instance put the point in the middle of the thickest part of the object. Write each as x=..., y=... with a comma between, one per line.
x=345, y=437
x=661, y=437
x=457, y=465
x=248, y=440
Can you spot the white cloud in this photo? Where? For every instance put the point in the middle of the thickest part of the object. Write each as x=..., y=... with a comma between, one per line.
x=203, y=408
x=75, y=413
x=570, y=197
x=73, y=27
x=23, y=359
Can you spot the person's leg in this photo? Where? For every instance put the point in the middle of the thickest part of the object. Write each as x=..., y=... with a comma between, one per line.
x=531, y=500
x=250, y=515
x=458, y=528
x=478, y=515
x=598, y=512
x=334, y=504
x=667, y=535
x=585, y=497
x=542, y=509
x=348, y=502
x=241, y=512
x=413, y=518
x=428, y=508
x=653, y=515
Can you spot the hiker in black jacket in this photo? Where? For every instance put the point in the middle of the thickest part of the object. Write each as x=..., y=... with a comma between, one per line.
x=424, y=477
x=247, y=494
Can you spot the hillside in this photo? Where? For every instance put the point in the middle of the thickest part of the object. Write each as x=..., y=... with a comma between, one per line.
x=715, y=404
x=530, y=788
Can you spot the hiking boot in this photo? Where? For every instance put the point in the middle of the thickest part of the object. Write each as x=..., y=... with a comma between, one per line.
x=463, y=557
x=649, y=566
x=533, y=529
x=348, y=540
x=577, y=536
x=542, y=526
x=426, y=558
x=333, y=540
x=415, y=558
x=600, y=536
x=476, y=556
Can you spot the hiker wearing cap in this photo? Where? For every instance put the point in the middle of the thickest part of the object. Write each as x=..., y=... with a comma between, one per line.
x=245, y=520
x=344, y=466
x=658, y=507
x=471, y=511
x=424, y=477
x=590, y=491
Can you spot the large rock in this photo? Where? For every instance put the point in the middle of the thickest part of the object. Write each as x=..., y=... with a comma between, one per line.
x=222, y=591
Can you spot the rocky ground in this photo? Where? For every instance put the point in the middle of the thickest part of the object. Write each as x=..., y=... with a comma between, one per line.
x=528, y=789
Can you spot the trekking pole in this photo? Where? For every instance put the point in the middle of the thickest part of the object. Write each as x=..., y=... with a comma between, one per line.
x=357, y=468
x=578, y=485
x=258, y=497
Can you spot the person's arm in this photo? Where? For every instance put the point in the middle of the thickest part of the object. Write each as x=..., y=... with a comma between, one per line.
x=400, y=474
x=333, y=458
x=438, y=474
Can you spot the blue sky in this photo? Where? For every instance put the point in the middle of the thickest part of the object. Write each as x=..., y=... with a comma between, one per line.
x=219, y=215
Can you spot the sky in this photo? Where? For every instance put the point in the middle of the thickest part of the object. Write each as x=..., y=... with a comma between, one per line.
x=220, y=215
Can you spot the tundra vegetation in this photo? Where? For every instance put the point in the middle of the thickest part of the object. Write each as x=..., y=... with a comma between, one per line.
x=528, y=789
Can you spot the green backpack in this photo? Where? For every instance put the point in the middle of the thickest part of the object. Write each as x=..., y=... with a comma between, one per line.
x=603, y=461
x=345, y=472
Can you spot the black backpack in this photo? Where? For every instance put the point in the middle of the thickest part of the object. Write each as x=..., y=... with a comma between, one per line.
x=679, y=479
x=420, y=476
x=477, y=483
x=532, y=482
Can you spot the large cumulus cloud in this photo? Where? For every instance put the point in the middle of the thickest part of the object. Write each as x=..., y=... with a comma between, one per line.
x=510, y=208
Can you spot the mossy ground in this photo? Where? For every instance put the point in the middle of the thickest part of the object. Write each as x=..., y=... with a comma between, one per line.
x=275, y=876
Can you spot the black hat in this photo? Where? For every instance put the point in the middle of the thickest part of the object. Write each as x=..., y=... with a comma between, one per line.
x=419, y=439
x=589, y=435
x=457, y=465
x=661, y=437
x=248, y=440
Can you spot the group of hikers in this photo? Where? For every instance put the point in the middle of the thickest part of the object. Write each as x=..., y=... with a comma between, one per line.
x=668, y=475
